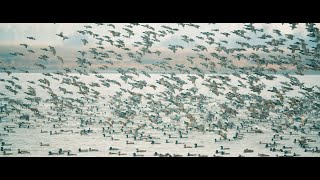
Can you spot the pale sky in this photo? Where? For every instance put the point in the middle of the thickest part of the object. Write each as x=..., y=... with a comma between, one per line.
x=11, y=35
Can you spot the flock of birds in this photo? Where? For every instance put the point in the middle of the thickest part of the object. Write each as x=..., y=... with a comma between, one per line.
x=188, y=99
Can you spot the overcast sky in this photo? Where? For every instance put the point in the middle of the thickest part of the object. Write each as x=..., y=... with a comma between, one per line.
x=11, y=35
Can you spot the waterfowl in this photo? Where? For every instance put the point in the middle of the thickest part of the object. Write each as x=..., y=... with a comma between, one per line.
x=197, y=146
x=41, y=144
x=282, y=138
x=294, y=154
x=91, y=150
x=307, y=150
x=43, y=131
x=176, y=155
x=263, y=155
x=270, y=145
x=178, y=142
x=153, y=142
x=172, y=136
x=127, y=142
x=167, y=141
x=316, y=150
x=83, y=150
x=140, y=150
x=112, y=153
x=104, y=135
x=5, y=153
x=3, y=149
x=285, y=151
x=248, y=151
x=113, y=139
x=285, y=147
x=135, y=138
x=63, y=151
x=69, y=154
x=113, y=149
x=23, y=152
x=224, y=148
x=121, y=154
x=262, y=142
x=4, y=144
x=224, y=153
x=217, y=151
x=55, y=133
x=311, y=140
x=137, y=155
x=185, y=146
x=189, y=154
x=51, y=153
x=183, y=136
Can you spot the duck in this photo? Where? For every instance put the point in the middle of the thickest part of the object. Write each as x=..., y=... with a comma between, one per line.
x=262, y=142
x=285, y=151
x=110, y=153
x=4, y=144
x=51, y=153
x=219, y=152
x=63, y=151
x=140, y=150
x=172, y=136
x=167, y=141
x=83, y=150
x=127, y=142
x=183, y=136
x=248, y=151
x=316, y=150
x=137, y=155
x=175, y=155
x=224, y=148
x=6, y=153
x=104, y=135
x=113, y=149
x=224, y=153
x=135, y=138
x=91, y=150
x=185, y=146
x=113, y=139
x=41, y=144
x=285, y=147
x=282, y=138
x=178, y=142
x=69, y=154
x=121, y=154
x=189, y=154
x=263, y=155
x=153, y=142
x=3, y=149
x=270, y=145
x=294, y=154
x=198, y=146
x=308, y=150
